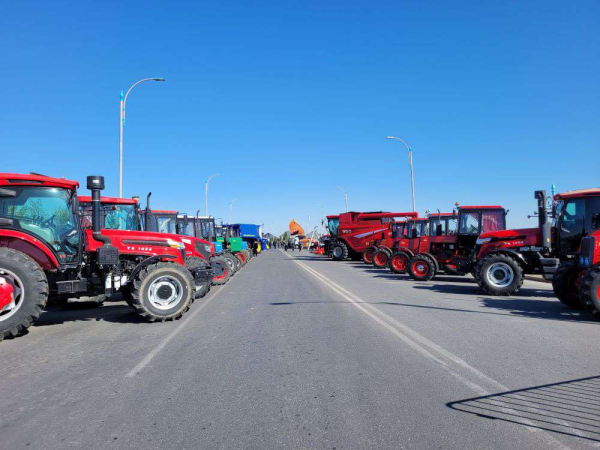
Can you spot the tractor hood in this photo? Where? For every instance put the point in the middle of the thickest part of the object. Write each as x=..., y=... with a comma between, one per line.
x=520, y=236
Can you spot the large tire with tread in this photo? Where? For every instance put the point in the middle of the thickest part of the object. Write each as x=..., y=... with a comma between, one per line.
x=564, y=284
x=162, y=291
x=29, y=285
x=241, y=257
x=236, y=261
x=399, y=262
x=367, y=256
x=221, y=270
x=422, y=268
x=500, y=274
x=232, y=264
x=589, y=291
x=339, y=251
x=191, y=262
x=381, y=258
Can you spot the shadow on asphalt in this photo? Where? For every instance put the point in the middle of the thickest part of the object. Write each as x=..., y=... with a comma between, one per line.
x=570, y=408
x=84, y=312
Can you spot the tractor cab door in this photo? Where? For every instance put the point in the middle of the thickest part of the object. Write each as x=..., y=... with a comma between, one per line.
x=577, y=217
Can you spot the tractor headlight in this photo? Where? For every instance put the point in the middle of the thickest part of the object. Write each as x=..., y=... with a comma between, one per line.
x=176, y=244
x=482, y=241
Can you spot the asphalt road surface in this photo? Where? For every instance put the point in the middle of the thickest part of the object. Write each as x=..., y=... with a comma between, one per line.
x=300, y=352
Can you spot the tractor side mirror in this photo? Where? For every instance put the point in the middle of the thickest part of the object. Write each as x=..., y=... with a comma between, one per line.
x=75, y=205
x=185, y=220
x=438, y=229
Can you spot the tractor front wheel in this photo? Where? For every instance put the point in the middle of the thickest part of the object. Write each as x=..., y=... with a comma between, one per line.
x=339, y=251
x=220, y=269
x=162, y=291
x=589, y=291
x=500, y=274
x=380, y=258
x=422, y=268
x=564, y=284
x=23, y=292
x=367, y=256
x=399, y=262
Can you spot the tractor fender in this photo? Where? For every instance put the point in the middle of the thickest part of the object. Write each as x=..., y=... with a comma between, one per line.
x=31, y=246
x=386, y=249
x=406, y=250
x=513, y=254
x=435, y=261
x=148, y=261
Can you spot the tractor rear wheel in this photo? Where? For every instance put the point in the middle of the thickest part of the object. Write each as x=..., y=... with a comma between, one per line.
x=422, y=268
x=339, y=252
x=221, y=270
x=23, y=292
x=381, y=258
x=399, y=262
x=237, y=262
x=367, y=256
x=228, y=257
x=589, y=291
x=564, y=284
x=201, y=289
x=500, y=274
x=241, y=257
x=162, y=291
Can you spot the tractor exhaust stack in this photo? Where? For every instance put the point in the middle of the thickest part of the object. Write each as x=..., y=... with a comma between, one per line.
x=544, y=223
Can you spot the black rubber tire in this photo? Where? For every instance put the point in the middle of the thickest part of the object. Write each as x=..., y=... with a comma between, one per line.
x=140, y=298
x=509, y=263
x=242, y=257
x=421, y=268
x=203, y=290
x=221, y=270
x=589, y=291
x=35, y=286
x=339, y=251
x=367, y=256
x=564, y=284
x=237, y=262
x=395, y=266
x=233, y=268
x=381, y=258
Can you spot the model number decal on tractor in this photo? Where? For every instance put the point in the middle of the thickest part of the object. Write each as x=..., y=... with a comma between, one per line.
x=139, y=249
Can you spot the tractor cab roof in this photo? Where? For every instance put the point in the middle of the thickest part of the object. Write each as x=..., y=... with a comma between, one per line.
x=115, y=200
x=479, y=207
x=19, y=179
x=437, y=215
x=336, y=216
x=593, y=192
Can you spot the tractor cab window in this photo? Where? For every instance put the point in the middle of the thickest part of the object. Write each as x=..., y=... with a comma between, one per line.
x=469, y=223
x=398, y=230
x=452, y=226
x=333, y=225
x=572, y=224
x=47, y=214
x=424, y=229
x=186, y=230
x=207, y=229
x=437, y=226
x=167, y=224
x=493, y=220
x=120, y=217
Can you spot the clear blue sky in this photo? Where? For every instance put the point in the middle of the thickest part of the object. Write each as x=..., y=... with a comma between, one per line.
x=288, y=99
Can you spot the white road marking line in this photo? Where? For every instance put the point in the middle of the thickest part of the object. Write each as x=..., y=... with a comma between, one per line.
x=188, y=318
x=427, y=348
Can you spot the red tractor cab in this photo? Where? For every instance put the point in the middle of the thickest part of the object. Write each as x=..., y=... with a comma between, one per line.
x=45, y=250
x=452, y=240
x=333, y=223
x=551, y=249
x=357, y=230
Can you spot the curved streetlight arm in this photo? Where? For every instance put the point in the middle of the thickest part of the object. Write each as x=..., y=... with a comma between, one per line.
x=412, y=176
x=134, y=85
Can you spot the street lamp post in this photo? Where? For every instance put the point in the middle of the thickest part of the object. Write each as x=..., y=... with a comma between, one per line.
x=412, y=176
x=230, y=206
x=206, y=192
x=345, y=196
x=122, y=105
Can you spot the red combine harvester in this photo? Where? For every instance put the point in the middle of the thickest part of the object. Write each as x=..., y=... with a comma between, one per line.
x=504, y=257
x=356, y=232
x=452, y=239
x=45, y=250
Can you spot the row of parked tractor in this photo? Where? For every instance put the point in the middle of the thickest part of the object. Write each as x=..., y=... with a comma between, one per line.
x=58, y=245
x=564, y=248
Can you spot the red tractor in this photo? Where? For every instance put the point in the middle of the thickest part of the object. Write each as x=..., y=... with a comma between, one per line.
x=165, y=221
x=452, y=239
x=551, y=249
x=381, y=250
x=588, y=265
x=44, y=250
x=408, y=242
x=356, y=232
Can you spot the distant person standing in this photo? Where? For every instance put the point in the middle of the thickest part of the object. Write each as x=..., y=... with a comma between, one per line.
x=299, y=246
